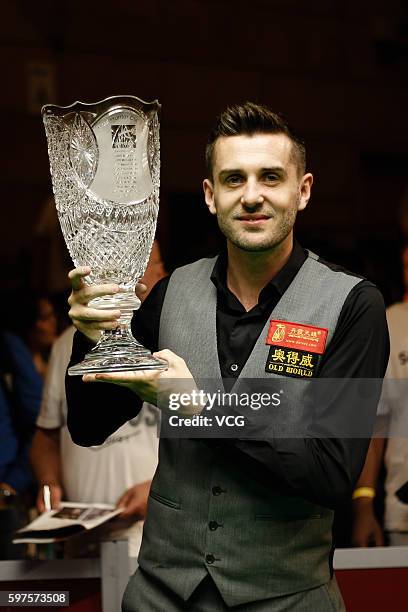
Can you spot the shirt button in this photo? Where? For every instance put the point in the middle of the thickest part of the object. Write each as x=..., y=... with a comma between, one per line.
x=234, y=367
x=216, y=490
x=210, y=559
x=213, y=525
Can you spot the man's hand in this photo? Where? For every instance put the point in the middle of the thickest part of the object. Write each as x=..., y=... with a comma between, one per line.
x=56, y=497
x=366, y=529
x=134, y=500
x=155, y=386
x=91, y=321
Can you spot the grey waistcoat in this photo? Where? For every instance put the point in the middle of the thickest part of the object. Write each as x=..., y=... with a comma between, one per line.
x=267, y=544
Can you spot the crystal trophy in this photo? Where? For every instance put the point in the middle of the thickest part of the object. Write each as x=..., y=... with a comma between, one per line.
x=105, y=169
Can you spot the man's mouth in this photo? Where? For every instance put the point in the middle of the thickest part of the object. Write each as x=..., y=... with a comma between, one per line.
x=254, y=218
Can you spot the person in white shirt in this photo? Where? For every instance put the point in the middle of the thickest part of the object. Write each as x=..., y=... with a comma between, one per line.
x=393, y=449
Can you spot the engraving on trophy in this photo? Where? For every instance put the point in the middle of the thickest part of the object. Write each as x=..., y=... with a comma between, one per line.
x=124, y=143
x=124, y=136
x=123, y=174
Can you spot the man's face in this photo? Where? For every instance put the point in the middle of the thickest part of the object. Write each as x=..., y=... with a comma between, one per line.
x=256, y=190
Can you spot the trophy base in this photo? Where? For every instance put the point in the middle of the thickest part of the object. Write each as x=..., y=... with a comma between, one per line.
x=117, y=359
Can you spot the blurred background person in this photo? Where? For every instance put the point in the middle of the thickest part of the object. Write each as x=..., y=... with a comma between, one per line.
x=117, y=472
x=392, y=447
x=24, y=353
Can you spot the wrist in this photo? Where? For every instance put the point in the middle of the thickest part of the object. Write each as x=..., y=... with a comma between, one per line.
x=363, y=492
x=363, y=504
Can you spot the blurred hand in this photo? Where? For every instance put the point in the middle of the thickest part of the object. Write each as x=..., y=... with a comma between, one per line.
x=56, y=497
x=134, y=500
x=7, y=487
x=151, y=385
x=366, y=528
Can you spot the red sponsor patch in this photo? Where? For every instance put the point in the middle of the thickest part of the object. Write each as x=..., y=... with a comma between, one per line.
x=297, y=336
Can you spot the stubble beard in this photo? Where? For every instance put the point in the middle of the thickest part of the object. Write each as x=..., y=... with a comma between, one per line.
x=258, y=241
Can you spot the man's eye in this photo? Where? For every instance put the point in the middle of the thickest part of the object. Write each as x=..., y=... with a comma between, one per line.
x=234, y=179
x=271, y=178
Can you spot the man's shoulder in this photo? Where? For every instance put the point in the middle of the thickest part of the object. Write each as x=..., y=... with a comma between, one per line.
x=334, y=267
x=181, y=273
x=194, y=273
x=363, y=296
x=358, y=291
x=199, y=264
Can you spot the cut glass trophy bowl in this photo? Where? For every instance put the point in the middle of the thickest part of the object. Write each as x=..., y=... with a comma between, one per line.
x=105, y=170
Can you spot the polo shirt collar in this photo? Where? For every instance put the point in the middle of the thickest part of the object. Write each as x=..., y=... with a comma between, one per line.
x=279, y=283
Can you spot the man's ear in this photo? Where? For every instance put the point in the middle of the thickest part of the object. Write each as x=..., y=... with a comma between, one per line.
x=305, y=190
x=209, y=196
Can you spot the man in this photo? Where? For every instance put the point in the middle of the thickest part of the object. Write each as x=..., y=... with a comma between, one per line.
x=393, y=423
x=239, y=523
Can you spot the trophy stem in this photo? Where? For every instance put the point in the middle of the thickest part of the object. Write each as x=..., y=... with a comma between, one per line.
x=118, y=351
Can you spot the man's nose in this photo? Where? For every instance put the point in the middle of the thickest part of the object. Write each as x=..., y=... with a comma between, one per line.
x=252, y=195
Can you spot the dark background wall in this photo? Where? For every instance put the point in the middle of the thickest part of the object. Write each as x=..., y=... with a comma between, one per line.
x=337, y=69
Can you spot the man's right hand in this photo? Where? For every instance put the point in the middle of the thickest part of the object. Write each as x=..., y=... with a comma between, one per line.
x=56, y=497
x=90, y=321
x=366, y=529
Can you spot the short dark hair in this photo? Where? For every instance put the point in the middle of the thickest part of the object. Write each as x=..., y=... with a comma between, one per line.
x=249, y=119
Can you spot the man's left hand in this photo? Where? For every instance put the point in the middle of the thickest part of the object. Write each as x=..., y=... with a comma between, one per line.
x=134, y=500
x=148, y=384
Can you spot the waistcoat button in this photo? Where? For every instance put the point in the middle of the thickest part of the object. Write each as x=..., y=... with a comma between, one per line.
x=234, y=367
x=210, y=559
x=216, y=490
x=213, y=525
